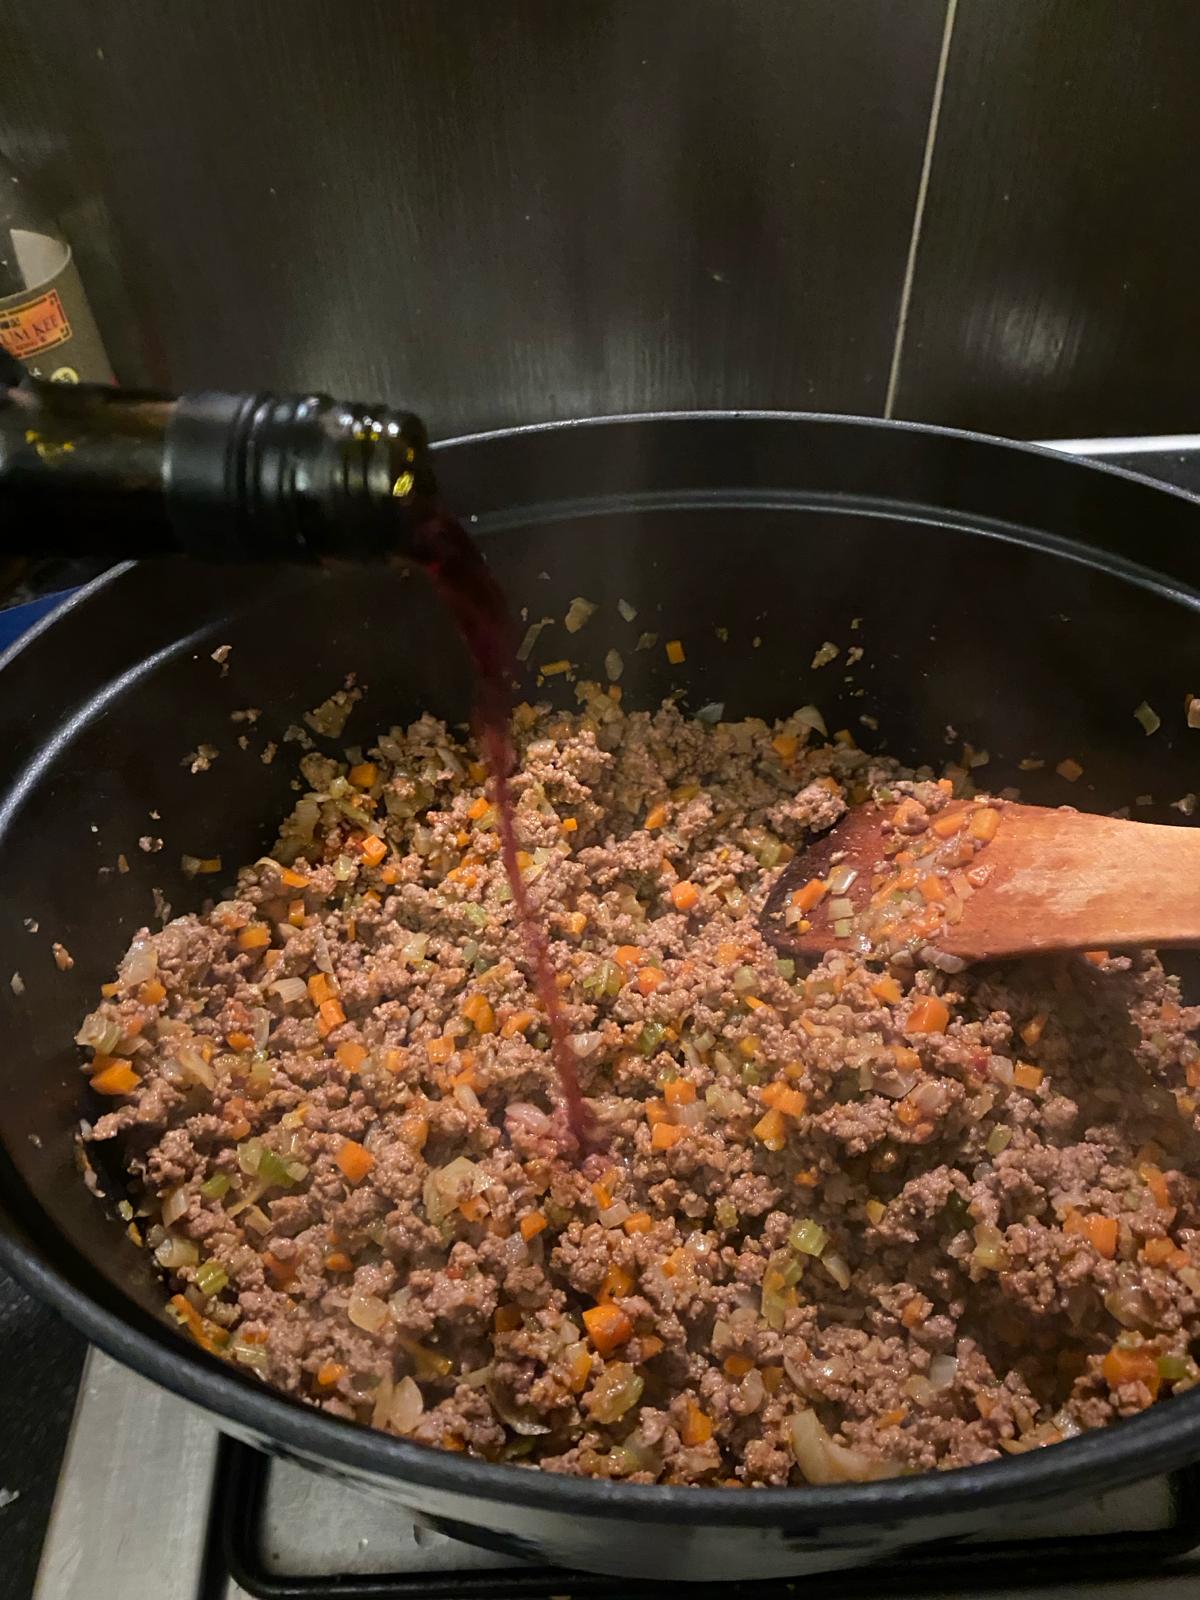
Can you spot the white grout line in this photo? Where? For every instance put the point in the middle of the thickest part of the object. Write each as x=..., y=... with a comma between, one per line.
x=910, y=267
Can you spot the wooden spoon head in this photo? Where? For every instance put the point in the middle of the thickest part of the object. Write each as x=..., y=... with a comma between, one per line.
x=1042, y=880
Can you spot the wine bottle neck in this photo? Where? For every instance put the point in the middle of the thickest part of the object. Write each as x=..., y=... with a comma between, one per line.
x=104, y=471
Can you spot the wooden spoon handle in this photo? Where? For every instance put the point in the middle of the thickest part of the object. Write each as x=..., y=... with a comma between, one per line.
x=1065, y=880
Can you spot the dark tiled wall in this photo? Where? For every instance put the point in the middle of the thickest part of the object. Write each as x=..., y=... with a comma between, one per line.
x=506, y=210
x=1057, y=283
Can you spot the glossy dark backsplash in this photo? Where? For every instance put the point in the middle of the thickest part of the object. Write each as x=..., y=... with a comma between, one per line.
x=507, y=213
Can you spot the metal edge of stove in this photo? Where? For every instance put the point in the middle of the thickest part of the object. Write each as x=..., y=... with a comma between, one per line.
x=142, y=1530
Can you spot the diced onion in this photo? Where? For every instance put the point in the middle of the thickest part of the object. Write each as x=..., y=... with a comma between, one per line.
x=578, y=613
x=174, y=1206
x=942, y=1371
x=841, y=878
x=100, y=1032
x=140, y=962
x=810, y=717
x=821, y=1460
x=613, y=1216
x=174, y=1252
x=368, y=1312
x=614, y=665
x=407, y=1406
x=289, y=990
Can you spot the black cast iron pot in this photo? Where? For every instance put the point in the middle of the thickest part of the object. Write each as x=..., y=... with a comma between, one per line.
x=1026, y=601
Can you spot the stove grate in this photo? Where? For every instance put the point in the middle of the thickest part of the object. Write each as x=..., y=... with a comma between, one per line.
x=953, y=1569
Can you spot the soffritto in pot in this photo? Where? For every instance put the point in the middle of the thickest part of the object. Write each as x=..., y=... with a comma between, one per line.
x=843, y=1222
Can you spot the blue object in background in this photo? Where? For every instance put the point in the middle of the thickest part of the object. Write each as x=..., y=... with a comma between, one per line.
x=19, y=619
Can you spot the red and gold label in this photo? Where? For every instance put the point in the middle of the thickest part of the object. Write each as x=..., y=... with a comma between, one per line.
x=37, y=324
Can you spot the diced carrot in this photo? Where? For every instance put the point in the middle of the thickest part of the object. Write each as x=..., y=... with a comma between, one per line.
x=697, y=1427
x=114, y=1077
x=474, y=1207
x=904, y=1056
x=679, y=1092
x=282, y=1272
x=364, y=775
x=1096, y=957
x=684, y=896
x=293, y=879
x=655, y=817
x=579, y=1367
x=478, y=808
x=569, y=824
x=753, y=1003
x=338, y=1261
x=616, y=1284
x=602, y=1193
x=152, y=992
x=608, y=1327
x=929, y=1014
x=390, y=875
x=351, y=1055
x=507, y=1319
x=772, y=1377
x=656, y=1113
x=737, y=1366
x=329, y=1016
x=329, y=1373
x=946, y=825
x=652, y=1346
x=440, y=1050
x=255, y=937
x=639, y=1222
x=626, y=956
x=649, y=979
x=985, y=824
x=907, y=1113
x=1034, y=1028
x=665, y=1135
x=478, y=1011
x=1026, y=1076
x=887, y=990
x=807, y=1178
x=748, y=1047
x=932, y=887
x=893, y=1418
x=792, y=1102
x=1104, y=1233
x=532, y=1224
x=913, y=1311
x=354, y=1160
x=771, y=1130
x=675, y=652
x=374, y=849
x=1156, y=1182
x=1139, y=1365
x=237, y=1040
x=319, y=988
x=785, y=746
x=296, y=913
x=517, y=1023
x=108, y=990
x=811, y=895
x=414, y=1131
x=1158, y=1252
x=576, y=922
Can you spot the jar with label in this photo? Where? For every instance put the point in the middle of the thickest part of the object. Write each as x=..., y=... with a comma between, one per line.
x=45, y=319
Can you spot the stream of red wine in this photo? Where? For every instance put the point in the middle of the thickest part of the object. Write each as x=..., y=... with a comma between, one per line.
x=475, y=600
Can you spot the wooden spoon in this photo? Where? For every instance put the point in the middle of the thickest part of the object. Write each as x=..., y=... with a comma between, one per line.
x=1049, y=880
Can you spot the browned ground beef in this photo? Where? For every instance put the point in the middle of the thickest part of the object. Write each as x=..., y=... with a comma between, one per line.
x=1000, y=1260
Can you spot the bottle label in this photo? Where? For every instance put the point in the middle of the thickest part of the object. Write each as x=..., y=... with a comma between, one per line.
x=51, y=328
